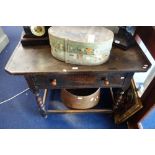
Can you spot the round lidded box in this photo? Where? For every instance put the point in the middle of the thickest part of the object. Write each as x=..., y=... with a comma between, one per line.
x=81, y=45
x=80, y=98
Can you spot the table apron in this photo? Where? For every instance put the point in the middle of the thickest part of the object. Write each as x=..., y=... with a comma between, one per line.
x=105, y=80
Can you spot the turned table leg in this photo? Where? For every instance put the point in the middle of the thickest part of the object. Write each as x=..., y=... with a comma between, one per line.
x=39, y=98
x=40, y=104
x=123, y=90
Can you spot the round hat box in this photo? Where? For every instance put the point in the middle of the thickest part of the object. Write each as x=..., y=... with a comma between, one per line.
x=81, y=45
x=80, y=98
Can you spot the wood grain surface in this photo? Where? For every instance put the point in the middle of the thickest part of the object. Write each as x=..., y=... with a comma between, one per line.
x=39, y=60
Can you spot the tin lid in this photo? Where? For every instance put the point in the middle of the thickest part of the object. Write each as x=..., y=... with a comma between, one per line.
x=84, y=34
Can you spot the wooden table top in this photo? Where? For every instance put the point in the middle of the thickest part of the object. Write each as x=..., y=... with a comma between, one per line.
x=39, y=60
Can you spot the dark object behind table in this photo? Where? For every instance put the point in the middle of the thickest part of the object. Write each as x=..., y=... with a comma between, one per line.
x=124, y=38
x=30, y=39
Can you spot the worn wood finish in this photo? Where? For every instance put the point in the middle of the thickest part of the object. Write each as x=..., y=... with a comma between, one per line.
x=38, y=60
x=39, y=99
x=34, y=41
x=89, y=80
x=42, y=71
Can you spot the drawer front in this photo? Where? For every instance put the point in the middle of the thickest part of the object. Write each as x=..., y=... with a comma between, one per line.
x=116, y=79
x=80, y=81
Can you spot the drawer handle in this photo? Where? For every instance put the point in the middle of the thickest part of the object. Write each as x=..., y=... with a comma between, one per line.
x=54, y=82
x=106, y=81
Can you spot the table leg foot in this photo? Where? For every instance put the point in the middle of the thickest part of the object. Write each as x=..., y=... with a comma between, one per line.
x=41, y=105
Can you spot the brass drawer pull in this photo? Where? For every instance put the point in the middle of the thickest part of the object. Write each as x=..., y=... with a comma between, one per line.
x=54, y=82
x=106, y=82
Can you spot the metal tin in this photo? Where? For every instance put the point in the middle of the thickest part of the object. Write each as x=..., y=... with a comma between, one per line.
x=81, y=45
x=80, y=98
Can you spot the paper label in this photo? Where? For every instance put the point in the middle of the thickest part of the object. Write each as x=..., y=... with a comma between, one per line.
x=117, y=41
x=91, y=38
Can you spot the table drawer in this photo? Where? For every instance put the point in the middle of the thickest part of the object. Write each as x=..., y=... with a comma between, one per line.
x=81, y=81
